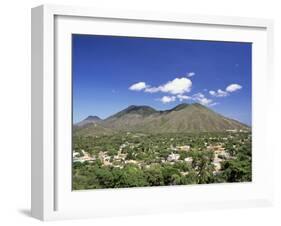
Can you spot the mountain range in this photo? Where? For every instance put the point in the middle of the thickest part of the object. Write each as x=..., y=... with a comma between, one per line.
x=182, y=118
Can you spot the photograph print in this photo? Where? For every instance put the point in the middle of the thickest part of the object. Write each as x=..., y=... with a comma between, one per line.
x=160, y=112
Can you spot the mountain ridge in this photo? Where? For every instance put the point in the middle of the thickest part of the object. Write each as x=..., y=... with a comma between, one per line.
x=141, y=109
x=182, y=118
x=90, y=119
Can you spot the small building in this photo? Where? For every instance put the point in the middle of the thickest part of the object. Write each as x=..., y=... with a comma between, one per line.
x=183, y=148
x=184, y=173
x=173, y=157
x=188, y=159
x=231, y=130
x=85, y=157
x=75, y=154
x=131, y=162
x=217, y=166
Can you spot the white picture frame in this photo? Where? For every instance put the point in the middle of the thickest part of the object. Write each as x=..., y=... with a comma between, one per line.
x=52, y=197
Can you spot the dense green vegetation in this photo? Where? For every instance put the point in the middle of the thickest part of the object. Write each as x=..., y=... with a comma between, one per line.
x=139, y=160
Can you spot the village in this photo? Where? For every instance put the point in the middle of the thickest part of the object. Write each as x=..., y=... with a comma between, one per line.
x=220, y=154
x=137, y=159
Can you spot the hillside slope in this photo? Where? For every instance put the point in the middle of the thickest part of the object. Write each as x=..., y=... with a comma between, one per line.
x=183, y=118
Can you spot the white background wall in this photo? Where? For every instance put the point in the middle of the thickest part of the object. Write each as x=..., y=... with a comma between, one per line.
x=15, y=111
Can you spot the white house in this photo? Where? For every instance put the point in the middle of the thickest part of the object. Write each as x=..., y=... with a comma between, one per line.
x=188, y=159
x=173, y=157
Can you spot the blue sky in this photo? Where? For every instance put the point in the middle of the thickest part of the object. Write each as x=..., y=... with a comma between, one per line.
x=110, y=73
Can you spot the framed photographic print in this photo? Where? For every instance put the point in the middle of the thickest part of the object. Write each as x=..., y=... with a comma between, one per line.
x=136, y=113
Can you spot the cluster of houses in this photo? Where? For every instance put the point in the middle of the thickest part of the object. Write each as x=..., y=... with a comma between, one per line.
x=174, y=157
x=119, y=160
x=85, y=156
x=220, y=154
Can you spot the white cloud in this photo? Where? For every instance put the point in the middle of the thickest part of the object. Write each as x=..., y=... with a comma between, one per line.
x=167, y=99
x=176, y=86
x=219, y=93
x=152, y=89
x=200, y=97
x=190, y=74
x=213, y=104
x=138, y=86
x=229, y=89
x=183, y=97
x=205, y=101
x=212, y=92
x=233, y=87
